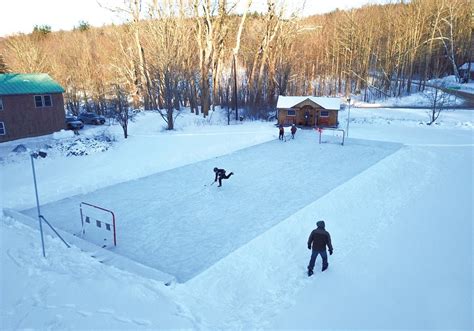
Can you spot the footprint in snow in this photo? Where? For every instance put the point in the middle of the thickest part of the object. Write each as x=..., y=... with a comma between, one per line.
x=122, y=319
x=106, y=311
x=84, y=313
x=141, y=322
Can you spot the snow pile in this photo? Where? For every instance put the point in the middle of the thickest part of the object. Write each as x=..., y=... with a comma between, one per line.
x=57, y=147
x=70, y=290
x=63, y=134
x=84, y=146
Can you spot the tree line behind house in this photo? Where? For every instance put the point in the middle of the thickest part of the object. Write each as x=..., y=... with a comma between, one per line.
x=202, y=54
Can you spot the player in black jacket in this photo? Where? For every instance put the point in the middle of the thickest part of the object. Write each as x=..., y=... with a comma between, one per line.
x=318, y=240
x=220, y=175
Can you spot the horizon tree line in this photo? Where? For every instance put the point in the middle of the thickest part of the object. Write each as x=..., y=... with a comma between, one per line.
x=203, y=54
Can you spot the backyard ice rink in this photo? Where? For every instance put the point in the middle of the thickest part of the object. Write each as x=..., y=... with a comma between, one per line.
x=177, y=222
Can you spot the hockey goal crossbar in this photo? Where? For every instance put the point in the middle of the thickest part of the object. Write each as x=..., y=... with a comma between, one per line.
x=98, y=223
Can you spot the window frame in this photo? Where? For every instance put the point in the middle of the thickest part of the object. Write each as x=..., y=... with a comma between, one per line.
x=35, y=98
x=42, y=97
x=290, y=110
x=326, y=113
x=50, y=100
x=3, y=128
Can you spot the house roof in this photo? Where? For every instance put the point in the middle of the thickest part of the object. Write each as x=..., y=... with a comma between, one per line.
x=285, y=102
x=12, y=84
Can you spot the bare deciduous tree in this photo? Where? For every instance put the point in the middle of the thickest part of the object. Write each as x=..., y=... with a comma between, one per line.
x=184, y=53
x=3, y=66
x=121, y=108
x=28, y=56
x=439, y=101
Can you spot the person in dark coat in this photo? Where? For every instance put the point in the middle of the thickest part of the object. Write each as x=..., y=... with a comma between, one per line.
x=220, y=175
x=318, y=240
x=281, y=132
x=293, y=131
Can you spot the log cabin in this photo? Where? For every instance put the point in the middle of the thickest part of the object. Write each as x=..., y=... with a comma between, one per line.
x=308, y=111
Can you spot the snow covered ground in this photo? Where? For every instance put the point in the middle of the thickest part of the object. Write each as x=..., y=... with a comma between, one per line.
x=397, y=200
x=421, y=99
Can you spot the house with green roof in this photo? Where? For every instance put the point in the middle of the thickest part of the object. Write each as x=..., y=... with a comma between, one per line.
x=30, y=105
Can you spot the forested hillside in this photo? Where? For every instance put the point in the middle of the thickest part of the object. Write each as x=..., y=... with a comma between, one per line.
x=175, y=53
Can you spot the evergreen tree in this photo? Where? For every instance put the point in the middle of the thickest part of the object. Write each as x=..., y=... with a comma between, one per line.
x=83, y=26
x=42, y=29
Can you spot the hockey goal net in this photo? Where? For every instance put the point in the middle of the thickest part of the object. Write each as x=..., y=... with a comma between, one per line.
x=98, y=225
x=331, y=135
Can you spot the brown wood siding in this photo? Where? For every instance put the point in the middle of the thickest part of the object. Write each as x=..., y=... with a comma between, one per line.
x=314, y=118
x=22, y=119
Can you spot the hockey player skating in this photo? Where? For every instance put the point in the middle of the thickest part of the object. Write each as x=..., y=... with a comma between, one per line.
x=318, y=240
x=220, y=175
x=293, y=131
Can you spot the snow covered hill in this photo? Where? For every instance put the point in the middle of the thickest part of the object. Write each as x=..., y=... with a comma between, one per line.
x=401, y=228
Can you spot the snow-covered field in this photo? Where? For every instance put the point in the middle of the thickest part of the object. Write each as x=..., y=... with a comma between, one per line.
x=397, y=200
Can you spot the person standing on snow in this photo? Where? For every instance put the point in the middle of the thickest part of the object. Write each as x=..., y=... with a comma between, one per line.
x=293, y=131
x=281, y=132
x=318, y=240
x=220, y=175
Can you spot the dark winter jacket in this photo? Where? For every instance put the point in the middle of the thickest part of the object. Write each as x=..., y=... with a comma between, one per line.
x=320, y=238
x=293, y=129
x=219, y=173
x=282, y=130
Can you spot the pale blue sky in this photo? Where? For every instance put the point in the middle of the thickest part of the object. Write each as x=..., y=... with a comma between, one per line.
x=23, y=15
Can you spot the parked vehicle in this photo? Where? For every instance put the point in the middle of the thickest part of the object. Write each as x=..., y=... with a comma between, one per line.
x=72, y=123
x=91, y=118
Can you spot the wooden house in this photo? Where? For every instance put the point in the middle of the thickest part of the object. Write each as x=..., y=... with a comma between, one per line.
x=30, y=105
x=308, y=111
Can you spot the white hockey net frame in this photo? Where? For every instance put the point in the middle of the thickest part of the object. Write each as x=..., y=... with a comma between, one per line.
x=333, y=135
x=90, y=218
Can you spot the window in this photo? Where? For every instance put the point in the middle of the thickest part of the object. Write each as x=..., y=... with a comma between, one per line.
x=47, y=101
x=43, y=101
x=38, y=101
x=2, y=129
x=324, y=113
x=1, y=104
x=291, y=112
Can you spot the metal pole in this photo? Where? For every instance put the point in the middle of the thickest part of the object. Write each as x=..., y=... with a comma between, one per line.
x=235, y=88
x=348, y=116
x=37, y=204
x=54, y=230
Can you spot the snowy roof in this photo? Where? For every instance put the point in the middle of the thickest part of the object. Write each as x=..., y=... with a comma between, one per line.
x=466, y=65
x=325, y=102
